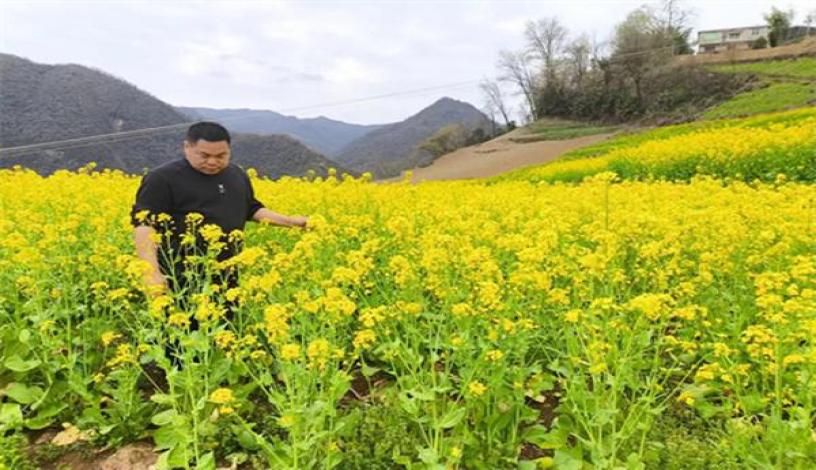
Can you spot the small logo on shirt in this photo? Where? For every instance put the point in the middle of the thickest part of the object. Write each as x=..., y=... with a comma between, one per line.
x=222, y=189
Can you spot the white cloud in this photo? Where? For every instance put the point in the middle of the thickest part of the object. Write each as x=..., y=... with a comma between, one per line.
x=348, y=70
x=285, y=55
x=511, y=25
x=223, y=56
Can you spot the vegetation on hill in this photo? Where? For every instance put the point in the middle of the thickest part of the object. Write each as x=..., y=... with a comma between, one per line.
x=560, y=129
x=638, y=79
x=803, y=67
x=761, y=147
x=771, y=97
x=450, y=138
x=390, y=149
x=781, y=84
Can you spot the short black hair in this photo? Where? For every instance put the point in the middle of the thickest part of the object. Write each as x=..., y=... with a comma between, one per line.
x=209, y=131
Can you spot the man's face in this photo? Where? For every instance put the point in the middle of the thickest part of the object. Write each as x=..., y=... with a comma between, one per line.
x=207, y=157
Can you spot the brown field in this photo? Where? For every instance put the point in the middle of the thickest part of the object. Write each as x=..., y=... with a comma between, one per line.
x=497, y=156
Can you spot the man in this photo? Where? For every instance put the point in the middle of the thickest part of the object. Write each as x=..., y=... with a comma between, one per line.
x=203, y=182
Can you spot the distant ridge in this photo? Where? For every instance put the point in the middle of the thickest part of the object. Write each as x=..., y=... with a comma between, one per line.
x=324, y=135
x=394, y=147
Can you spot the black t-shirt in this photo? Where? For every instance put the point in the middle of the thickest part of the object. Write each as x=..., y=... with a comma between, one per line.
x=177, y=189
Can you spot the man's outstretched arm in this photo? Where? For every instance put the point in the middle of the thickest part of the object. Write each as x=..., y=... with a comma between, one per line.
x=267, y=216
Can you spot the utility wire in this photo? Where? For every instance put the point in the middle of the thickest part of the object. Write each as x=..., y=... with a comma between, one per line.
x=115, y=137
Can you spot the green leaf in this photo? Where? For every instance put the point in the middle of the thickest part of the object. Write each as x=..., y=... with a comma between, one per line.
x=206, y=462
x=162, y=399
x=179, y=457
x=534, y=434
x=603, y=416
x=45, y=416
x=422, y=395
x=368, y=371
x=172, y=436
x=633, y=462
x=555, y=438
x=245, y=438
x=428, y=456
x=569, y=459
x=24, y=336
x=752, y=402
x=409, y=405
x=17, y=364
x=23, y=394
x=39, y=422
x=526, y=465
x=332, y=460
x=11, y=414
x=162, y=462
x=164, y=418
x=452, y=418
x=400, y=459
x=501, y=420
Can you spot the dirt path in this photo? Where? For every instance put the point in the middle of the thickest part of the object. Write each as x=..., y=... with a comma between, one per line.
x=497, y=156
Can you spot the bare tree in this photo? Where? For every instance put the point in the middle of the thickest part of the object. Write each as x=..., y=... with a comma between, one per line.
x=490, y=111
x=515, y=68
x=524, y=115
x=495, y=98
x=545, y=39
x=674, y=21
x=599, y=49
x=809, y=20
x=578, y=54
x=673, y=15
x=600, y=62
x=639, y=47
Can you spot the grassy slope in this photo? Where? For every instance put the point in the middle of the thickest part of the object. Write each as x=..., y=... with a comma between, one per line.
x=790, y=83
x=804, y=67
x=561, y=129
x=774, y=97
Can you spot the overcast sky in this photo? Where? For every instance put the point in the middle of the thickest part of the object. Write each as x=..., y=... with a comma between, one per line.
x=286, y=56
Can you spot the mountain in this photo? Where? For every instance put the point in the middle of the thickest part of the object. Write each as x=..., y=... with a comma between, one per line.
x=394, y=147
x=42, y=103
x=324, y=135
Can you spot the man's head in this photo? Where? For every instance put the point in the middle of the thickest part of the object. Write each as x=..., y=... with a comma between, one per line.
x=207, y=147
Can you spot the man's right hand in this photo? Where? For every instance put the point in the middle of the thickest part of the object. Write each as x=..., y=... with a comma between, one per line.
x=156, y=283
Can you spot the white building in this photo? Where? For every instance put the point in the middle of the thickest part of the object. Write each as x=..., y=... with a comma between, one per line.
x=719, y=40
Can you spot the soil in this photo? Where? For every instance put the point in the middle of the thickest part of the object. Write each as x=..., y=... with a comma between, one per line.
x=135, y=456
x=546, y=416
x=497, y=156
x=362, y=387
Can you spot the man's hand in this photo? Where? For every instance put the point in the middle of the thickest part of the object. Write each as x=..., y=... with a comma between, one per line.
x=299, y=221
x=266, y=216
x=156, y=283
x=146, y=249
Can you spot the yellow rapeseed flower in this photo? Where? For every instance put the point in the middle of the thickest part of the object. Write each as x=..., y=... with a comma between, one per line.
x=222, y=396
x=477, y=388
x=290, y=352
x=109, y=337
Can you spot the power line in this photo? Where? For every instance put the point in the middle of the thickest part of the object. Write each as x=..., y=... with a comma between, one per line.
x=617, y=57
x=116, y=137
